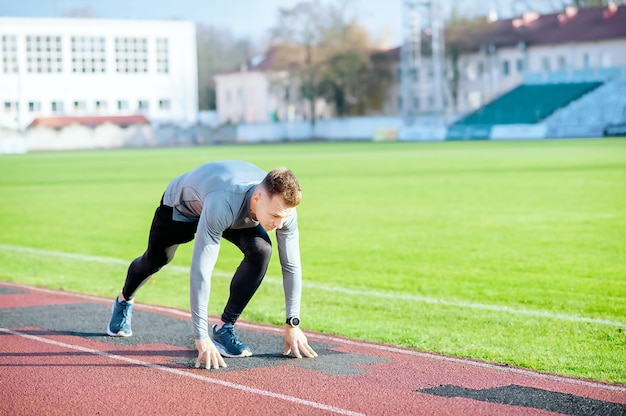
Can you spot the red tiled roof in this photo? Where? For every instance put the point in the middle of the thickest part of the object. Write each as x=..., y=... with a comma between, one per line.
x=572, y=25
x=89, y=121
x=583, y=25
x=266, y=62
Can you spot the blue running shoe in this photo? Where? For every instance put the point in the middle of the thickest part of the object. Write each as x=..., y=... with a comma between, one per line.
x=227, y=342
x=121, y=314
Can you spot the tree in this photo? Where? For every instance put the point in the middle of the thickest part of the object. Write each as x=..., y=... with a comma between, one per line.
x=218, y=51
x=355, y=78
x=337, y=63
x=357, y=82
x=303, y=26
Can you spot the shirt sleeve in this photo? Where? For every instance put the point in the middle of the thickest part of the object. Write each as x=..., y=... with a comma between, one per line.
x=289, y=253
x=205, y=252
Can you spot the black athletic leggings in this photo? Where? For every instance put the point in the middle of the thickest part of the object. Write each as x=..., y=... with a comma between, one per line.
x=165, y=237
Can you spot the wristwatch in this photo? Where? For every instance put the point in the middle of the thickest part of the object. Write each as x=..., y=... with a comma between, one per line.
x=294, y=321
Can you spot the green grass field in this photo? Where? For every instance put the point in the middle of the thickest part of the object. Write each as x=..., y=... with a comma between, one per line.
x=511, y=252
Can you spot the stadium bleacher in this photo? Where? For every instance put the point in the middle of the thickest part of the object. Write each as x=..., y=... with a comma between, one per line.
x=601, y=107
x=528, y=103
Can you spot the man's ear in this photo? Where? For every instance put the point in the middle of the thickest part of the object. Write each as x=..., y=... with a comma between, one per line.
x=256, y=197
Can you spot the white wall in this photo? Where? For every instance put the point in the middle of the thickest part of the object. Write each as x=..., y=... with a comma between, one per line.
x=243, y=97
x=610, y=53
x=353, y=128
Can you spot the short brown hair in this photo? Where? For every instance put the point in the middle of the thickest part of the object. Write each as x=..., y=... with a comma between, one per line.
x=282, y=181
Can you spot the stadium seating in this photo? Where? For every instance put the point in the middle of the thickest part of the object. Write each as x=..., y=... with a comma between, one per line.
x=528, y=104
x=603, y=106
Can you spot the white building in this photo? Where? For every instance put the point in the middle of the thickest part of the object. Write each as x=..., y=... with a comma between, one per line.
x=573, y=45
x=80, y=67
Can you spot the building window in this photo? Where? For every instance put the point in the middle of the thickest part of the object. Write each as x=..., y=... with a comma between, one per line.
x=481, y=69
x=44, y=54
x=9, y=54
x=545, y=64
x=164, y=104
x=562, y=63
x=416, y=103
x=88, y=54
x=10, y=106
x=586, y=61
x=474, y=99
x=519, y=65
x=122, y=105
x=470, y=71
x=57, y=106
x=79, y=105
x=506, y=70
x=101, y=105
x=142, y=104
x=34, y=106
x=131, y=55
x=162, y=56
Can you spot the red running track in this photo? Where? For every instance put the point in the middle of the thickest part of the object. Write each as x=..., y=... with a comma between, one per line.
x=56, y=359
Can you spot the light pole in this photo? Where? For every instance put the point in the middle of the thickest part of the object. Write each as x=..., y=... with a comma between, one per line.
x=422, y=21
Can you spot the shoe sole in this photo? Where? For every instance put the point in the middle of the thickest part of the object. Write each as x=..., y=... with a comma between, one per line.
x=119, y=334
x=224, y=353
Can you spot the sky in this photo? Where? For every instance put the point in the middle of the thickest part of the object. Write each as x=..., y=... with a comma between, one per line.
x=244, y=18
x=252, y=18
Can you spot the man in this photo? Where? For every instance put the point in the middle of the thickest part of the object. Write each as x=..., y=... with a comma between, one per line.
x=239, y=202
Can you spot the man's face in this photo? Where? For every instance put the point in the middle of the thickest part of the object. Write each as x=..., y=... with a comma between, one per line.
x=271, y=212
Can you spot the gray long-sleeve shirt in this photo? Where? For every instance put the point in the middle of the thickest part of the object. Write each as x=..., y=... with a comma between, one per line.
x=217, y=195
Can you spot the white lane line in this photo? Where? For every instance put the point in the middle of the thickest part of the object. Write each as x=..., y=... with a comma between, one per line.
x=335, y=340
x=182, y=373
x=344, y=290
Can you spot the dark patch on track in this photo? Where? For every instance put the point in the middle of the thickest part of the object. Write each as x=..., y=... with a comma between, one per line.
x=530, y=397
x=89, y=320
x=4, y=290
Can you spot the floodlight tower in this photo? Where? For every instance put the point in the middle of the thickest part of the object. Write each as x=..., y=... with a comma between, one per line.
x=422, y=36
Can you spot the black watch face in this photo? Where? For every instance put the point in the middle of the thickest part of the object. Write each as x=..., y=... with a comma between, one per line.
x=294, y=321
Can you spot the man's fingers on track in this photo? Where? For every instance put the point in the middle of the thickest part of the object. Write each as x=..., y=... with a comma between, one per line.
x=308, y=351
x=296, y=351
x=217, y=361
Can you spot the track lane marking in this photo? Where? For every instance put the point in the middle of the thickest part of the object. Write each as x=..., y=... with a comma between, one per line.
x=344, y=290
x=182, y=373
x=336, y=340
